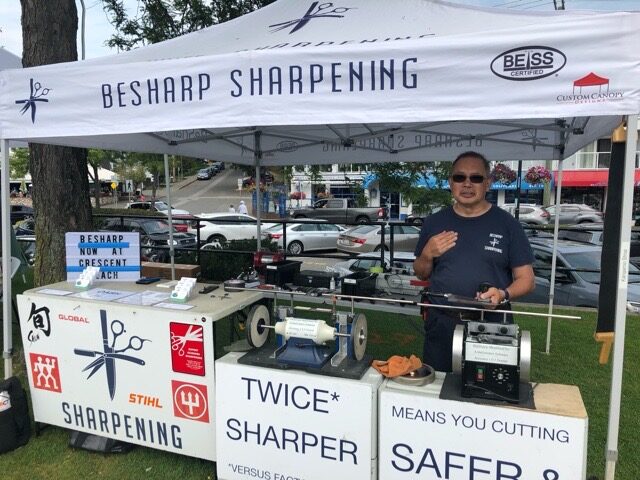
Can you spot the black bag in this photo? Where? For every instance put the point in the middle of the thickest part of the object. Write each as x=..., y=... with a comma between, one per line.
x=15, y=425
x=96, y=443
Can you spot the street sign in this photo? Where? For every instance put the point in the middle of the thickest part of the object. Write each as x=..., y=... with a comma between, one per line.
x=114, y=185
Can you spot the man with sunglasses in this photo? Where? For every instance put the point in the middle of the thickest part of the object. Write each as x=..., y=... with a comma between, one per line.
x=466, y=245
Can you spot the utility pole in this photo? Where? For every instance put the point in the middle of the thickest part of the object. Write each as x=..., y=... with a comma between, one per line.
x=546, y=195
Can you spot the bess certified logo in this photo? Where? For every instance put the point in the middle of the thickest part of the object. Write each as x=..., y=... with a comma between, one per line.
x=528, y=63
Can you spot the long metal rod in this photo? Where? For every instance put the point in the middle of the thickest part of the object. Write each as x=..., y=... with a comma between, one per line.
x=554, y=256
x=621, y=313
x=167, y=181
x=258, y=156
x=6, y=264
x=411, y=302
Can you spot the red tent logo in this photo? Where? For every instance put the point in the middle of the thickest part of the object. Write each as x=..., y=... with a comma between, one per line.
x=590, y=80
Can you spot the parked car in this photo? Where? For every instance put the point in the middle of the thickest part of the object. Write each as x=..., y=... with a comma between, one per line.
x=157, y=206
x=574, y=288
x=266, y=178
x=206, y=173
x=153, y=232
x=304, y=237
x=593, y=234
x=181, y=222
x=367, y=238
x=571, y=213
x=530, y=213
x=402, y=263
x=340, y=210
x=20, y=212
x=217, y=166
x=221, y=227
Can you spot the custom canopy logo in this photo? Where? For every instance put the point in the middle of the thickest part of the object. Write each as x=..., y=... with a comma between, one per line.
x=591, y=88
x=316, y=11
x=528, y=63
x=36, y=93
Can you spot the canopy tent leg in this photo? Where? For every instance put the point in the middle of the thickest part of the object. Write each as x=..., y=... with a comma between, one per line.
x=167, y=181
x=257, y=149
x=611, y=456
x=6, y=264
x=554, y=256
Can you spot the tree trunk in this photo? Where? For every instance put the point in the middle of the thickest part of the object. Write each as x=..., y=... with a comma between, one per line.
x=97, y=191
x=60, y=183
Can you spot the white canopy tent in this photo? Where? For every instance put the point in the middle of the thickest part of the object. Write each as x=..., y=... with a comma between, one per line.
x=363, y=81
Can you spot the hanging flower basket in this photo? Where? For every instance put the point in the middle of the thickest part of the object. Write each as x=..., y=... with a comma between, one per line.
x=503, y=174
x=537, y=175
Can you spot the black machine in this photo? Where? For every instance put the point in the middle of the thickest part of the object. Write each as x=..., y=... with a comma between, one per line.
x=492, y=359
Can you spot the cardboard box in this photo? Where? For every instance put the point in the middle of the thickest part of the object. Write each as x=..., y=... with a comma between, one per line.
x=163, y=270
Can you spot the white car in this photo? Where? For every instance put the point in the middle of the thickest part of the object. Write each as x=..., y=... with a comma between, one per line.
x=222, y=227
x=304, y=237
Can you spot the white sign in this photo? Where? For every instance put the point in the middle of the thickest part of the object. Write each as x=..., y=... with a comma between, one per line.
x=116, y=253
x=137, y=374
x=279, y=425
x=424, y=437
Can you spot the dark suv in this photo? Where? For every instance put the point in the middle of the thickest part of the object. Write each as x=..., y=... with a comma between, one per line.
x=153, y=232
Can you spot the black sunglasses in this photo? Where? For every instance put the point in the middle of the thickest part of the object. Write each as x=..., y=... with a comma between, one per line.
x=460, y=178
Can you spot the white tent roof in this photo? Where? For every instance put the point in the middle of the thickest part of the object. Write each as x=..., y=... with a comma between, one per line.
x=364, y=81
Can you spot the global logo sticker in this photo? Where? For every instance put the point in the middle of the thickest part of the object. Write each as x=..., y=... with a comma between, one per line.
x=528, y=63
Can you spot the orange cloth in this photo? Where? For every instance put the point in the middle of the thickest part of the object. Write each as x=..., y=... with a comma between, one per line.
x=397, y=366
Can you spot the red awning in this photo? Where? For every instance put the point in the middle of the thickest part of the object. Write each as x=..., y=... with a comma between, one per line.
x=589, y=178
x=591, y=80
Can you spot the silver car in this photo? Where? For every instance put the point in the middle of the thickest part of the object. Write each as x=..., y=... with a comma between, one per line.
x=304, y=237
x=575, y=213
x=574, y=288
x=367, y=238
x=530, y=213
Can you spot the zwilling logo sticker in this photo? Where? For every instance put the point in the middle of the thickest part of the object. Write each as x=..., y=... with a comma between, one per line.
x=316, y=11
x=36, y=93
x=45, y=372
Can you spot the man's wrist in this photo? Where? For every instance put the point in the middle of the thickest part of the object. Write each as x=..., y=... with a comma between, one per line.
x=506, y=296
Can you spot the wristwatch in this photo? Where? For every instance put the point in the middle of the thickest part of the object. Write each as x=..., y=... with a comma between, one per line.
x=507, y=297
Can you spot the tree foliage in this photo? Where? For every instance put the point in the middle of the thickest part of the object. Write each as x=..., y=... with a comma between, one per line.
x=19, y=162
x=420, y=184
x=158, y=20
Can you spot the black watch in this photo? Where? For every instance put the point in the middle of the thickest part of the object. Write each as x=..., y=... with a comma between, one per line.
x=507, y=297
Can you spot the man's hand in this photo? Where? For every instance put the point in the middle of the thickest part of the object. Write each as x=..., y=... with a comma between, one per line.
x=439, y=244
x=494, y=294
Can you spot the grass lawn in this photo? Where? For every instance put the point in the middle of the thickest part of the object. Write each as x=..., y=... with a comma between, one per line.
x=573, y=360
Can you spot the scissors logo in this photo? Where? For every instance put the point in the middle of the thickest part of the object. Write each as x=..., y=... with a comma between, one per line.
x=178, y=342
x=110, y=353
x=316, y=10
x=35, y=96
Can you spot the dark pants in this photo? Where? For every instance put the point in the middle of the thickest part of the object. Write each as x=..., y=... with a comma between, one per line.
x=438, y=339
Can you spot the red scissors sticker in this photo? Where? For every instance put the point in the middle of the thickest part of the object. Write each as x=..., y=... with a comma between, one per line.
x=187, y=348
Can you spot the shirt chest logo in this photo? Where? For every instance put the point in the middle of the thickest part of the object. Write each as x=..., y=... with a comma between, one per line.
x=494, y=243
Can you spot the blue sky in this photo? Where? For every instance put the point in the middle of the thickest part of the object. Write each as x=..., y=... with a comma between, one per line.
x=98, y=29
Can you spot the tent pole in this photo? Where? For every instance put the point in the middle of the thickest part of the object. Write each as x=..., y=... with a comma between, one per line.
x=258, y=156
x=554, y=256
x=621, y=304
x=6, y=264
x=167, y=181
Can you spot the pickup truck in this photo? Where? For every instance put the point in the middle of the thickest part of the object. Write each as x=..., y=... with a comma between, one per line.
x=340, y=210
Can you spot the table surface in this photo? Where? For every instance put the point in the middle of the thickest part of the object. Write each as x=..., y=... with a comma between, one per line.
x=217, y=304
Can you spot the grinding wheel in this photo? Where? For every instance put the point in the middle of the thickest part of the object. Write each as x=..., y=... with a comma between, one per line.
x=257, y=317
x=525, y=356
x=457, y=350
x=358, y=337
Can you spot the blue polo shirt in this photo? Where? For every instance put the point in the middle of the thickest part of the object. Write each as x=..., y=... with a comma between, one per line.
x=487, y=249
